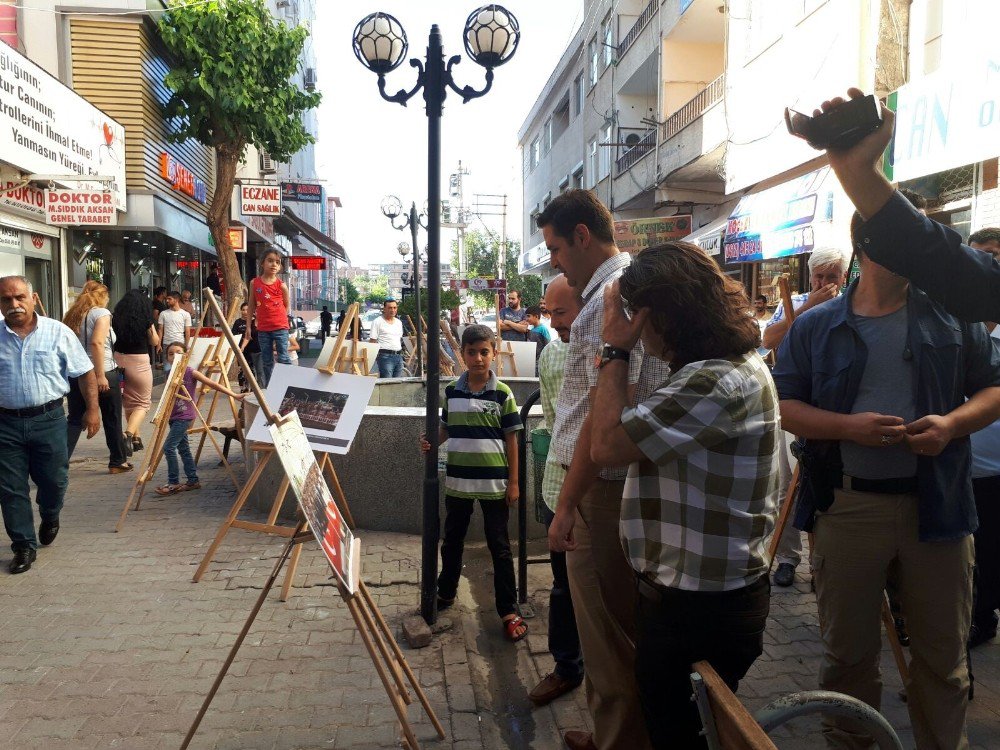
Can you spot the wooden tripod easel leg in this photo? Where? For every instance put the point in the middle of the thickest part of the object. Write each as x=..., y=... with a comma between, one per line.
x=894, y=644
x=786, y=511
x=293, y=542
x=227, y=524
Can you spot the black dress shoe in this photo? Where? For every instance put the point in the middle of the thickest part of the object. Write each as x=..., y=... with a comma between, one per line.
x=47, y=531
x=784, y=575
x=23, y=557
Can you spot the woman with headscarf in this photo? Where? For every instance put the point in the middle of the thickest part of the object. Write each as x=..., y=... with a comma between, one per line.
x=90, y=319
x=136, y=333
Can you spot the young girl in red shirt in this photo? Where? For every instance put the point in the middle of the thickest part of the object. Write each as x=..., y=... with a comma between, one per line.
x=269, y=303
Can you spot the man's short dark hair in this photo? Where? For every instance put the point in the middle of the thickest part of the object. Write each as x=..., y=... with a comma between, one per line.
x=575, y=207
x=514, y=291
x=914, y=197
x=174, y=294
x=159, y=290
x=984, y=235
x=325, y=309
x=535, y=310
x=475, y=334
x=761, y=298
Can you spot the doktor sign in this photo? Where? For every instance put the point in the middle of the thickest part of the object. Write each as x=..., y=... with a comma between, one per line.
x=80, y=208
x=47, y=128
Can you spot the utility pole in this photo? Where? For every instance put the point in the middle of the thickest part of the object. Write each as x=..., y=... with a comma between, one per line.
x=455, y=191
x=495, y=205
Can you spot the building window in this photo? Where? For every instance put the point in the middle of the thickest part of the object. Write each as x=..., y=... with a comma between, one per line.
x=547, y=136
x=564, y=184
x=594, y=60
x=579, y=94
x=608, y=34
x=576, y=181
x=592, y=162
x=560, y=118
x=604, y=154
x=536, y=152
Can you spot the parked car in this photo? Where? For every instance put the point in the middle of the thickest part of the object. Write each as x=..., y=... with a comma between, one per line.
x=312, y=328
x=488, y=319
x=366, y=322
x=297, y=325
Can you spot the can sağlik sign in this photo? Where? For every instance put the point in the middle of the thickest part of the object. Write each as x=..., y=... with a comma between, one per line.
x=47, y=128
x=80, y=208
x=633, y=235
x=779, y=221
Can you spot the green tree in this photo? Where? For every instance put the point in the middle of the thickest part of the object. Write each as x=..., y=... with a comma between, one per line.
x=449, y=301
x=348, y=293
x=374, y=288
x=232, y=65
x=482, y=258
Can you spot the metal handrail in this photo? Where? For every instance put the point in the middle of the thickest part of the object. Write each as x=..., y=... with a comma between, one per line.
x=711, y=94
x=640, y=23
x=634, y=153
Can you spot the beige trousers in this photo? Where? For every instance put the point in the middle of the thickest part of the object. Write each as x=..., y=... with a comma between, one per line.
x=602, y=584
x=856, y=541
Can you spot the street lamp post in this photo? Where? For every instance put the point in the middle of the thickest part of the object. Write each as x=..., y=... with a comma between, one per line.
x=491, y=36
x=391, y=208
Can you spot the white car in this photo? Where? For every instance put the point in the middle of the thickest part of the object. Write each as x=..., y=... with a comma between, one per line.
x=488, y=319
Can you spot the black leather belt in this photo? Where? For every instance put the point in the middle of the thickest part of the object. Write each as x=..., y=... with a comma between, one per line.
x=903, y=486
x=390, y=351
x=649, y=589
x=32, y=411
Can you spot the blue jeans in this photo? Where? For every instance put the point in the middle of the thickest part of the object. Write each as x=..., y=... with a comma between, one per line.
x=269, y=342
x=32, y=447
x=389, y=365
x=177, y=442
x=564, y=640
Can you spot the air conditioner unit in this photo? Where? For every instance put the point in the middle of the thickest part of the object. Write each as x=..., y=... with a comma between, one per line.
x=267, y=165
x=310, y=79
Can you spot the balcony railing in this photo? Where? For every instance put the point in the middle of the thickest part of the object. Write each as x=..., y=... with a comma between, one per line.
x=632, y=154
x=637, y=27
x=695, y=108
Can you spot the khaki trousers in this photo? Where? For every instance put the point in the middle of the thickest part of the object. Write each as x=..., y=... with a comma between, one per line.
x=856, y=541
x=602, y=584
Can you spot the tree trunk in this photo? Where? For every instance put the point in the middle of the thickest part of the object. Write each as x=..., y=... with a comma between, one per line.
x=227, y=159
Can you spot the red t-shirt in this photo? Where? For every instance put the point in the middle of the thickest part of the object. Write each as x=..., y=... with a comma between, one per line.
x=272, y=315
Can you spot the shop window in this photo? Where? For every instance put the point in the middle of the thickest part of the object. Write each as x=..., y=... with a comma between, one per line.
x=767, y=273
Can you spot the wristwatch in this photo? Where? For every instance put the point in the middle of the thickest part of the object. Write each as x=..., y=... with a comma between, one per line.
x=608, y=353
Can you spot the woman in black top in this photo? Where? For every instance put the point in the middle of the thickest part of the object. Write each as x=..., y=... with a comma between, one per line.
x=132, y=321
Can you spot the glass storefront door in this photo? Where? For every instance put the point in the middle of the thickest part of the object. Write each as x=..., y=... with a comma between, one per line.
x=39, y=273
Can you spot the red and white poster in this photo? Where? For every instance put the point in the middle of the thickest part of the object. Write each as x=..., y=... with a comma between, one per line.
x=341, y=547
x=80, y=208
x=260, y=200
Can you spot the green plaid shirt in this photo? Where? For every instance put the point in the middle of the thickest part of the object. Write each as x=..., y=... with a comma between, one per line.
x=551, y=366
x=698, y=513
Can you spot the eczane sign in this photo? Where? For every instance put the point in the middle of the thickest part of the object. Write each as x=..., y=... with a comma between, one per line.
x=47, y=128
x=260, y=200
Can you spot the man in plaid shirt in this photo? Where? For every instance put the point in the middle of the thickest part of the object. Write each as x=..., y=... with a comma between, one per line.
x=701, y=498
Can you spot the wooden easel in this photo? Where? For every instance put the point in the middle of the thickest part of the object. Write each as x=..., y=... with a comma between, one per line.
x=455, y=347
x=504, y=350
x=271, y=526
x=173, y=390
x=789, y=501
x=217, y=365
x=347, y=359
x=392, y=667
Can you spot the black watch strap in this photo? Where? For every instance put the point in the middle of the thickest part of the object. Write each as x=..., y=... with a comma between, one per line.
x=609, y=352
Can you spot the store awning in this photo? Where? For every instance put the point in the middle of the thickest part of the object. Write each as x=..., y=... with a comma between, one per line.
x=709, y=237
x=290, y=223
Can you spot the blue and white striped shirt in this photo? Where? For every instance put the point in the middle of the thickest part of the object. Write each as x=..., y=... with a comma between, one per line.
x=36, y=369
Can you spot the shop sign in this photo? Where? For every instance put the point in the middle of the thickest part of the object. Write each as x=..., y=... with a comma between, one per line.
x=260, y=200
x=633, y=235
x=480, y=284
x=779, y=221
x=947, y=119
x=238, y=239
x=25, y=199
x=47, y=128
x=80, y=207
x=188, y=264
x=711, y=244
x=308, y=263
x=533, y=258
x=10, y=239
x=182, y=179
x=301, y=192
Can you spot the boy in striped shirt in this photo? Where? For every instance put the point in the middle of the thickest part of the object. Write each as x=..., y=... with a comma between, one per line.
x=480, y=421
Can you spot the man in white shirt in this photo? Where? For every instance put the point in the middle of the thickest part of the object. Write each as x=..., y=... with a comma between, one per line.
x=174, y=323
x=387, y=332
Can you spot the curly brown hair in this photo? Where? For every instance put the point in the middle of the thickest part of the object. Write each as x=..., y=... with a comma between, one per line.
x=698, y=311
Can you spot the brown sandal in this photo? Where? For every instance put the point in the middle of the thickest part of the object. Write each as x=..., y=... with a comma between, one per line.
x=510, y=628
x=169, y=489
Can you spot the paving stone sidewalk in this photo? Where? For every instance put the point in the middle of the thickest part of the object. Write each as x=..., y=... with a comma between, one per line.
x=106, y=642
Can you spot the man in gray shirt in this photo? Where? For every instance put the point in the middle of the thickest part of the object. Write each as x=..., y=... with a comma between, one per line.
x=886, y=386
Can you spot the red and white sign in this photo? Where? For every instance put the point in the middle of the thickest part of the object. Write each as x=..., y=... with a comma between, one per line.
x=238, y=239
x=308, y=263
x=187, y=264
x=260, y=200
x=80, y=208
x=478, y=284
x=26, y=199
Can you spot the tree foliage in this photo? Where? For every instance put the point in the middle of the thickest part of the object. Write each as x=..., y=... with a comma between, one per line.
x=230, y=78
x=449, y=301
x=373, y=288
x=347, y=293
x=482, y=258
